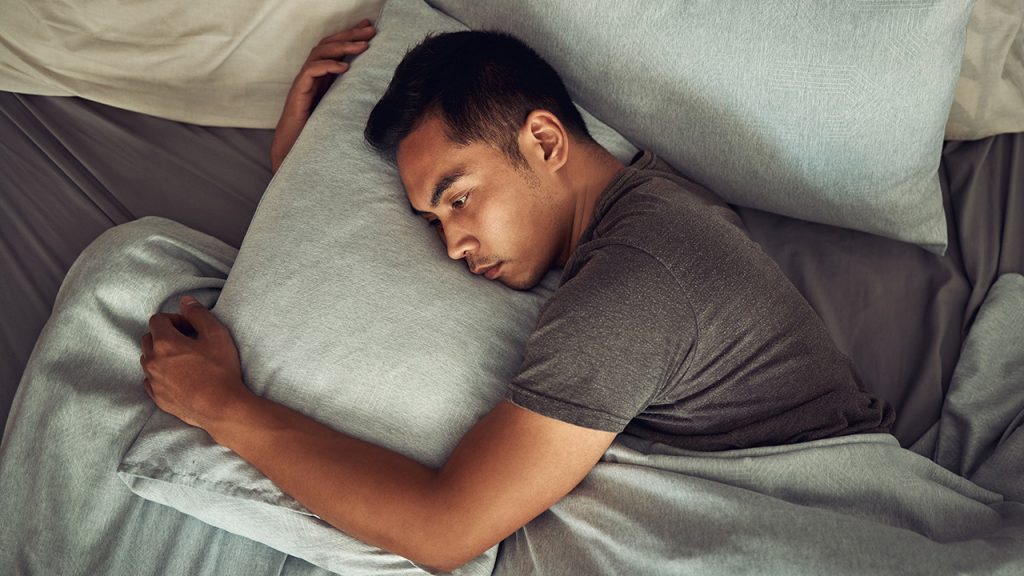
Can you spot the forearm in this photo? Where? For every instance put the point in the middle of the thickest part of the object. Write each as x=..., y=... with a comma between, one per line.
x=285, y=135
x=508, y=468
x=371, y=493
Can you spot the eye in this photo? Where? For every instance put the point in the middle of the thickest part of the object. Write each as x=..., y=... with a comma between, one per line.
x=460, y=202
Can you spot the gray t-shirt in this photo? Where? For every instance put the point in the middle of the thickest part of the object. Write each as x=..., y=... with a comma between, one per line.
x=671, y=324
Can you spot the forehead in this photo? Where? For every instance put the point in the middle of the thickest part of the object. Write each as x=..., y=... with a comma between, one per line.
x=427, y=157
x=423, y=157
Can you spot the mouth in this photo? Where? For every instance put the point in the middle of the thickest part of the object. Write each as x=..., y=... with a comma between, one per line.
x=492, y=272
x=489, y=272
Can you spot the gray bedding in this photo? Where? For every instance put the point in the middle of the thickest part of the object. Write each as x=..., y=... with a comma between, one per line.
x=70, y=168
x=64, y=510
x=851, y=505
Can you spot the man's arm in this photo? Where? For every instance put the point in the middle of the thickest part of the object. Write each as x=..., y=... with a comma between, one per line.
x=510, y=467
x=319, y=70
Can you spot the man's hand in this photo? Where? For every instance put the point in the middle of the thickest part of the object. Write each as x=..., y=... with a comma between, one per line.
x=193, y=378
x=314, y=78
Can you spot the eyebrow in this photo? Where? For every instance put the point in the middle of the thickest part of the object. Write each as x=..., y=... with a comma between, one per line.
x=442, y=186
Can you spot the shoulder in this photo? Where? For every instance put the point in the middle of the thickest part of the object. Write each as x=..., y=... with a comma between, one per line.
x=665, y=217
x=653, y=200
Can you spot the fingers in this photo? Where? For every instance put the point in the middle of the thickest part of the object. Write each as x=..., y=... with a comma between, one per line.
x=204, y=322
x=364, y=30
x=181, y=324
x=147, y=344
x=337, y=50
x=160, y=327
x=324, y=68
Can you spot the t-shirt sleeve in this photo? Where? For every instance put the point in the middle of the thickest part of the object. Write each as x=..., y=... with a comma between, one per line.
x=607, y=341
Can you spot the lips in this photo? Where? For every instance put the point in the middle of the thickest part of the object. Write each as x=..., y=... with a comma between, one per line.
x=488, y=272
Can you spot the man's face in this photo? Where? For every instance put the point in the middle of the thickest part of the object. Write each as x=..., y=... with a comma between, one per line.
x=507, y=223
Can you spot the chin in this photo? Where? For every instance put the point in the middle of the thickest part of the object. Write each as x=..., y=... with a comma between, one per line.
x=518, y=285
x=518, y=282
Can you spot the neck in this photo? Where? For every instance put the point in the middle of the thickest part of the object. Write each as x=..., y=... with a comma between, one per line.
x=587, y=173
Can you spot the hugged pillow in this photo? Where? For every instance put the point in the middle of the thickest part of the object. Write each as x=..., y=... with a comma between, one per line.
x=831, y=112
x=223, y=63
x=345, y=306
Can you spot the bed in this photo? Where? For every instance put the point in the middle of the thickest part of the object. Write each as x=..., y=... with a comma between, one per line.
x=76, y=168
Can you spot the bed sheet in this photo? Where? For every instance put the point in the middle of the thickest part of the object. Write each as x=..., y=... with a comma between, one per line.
x=70, y=169
x=902, y=314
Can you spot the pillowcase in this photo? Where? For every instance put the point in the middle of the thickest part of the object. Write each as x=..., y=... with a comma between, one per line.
x=989, y=97
x=831, y=112
x=223, y=63
x=345, y=307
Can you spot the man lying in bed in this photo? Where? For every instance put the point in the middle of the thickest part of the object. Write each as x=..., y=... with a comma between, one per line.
x=669, y=324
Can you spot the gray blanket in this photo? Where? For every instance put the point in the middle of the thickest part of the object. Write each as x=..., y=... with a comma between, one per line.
x=851, y=505
x=63, y=510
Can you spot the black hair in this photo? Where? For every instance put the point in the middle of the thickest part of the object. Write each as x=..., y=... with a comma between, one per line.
x=482, y=84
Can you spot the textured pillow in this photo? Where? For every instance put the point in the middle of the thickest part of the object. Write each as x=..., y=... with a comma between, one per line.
x=223, y=63
x=829, y=111
x=345, y=307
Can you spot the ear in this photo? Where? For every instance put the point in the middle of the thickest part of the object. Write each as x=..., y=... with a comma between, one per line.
x=543, y=139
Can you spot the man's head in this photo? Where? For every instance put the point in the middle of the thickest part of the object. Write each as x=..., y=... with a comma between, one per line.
x=481, y=128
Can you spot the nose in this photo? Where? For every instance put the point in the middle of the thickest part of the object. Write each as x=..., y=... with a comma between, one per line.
x=459, y=242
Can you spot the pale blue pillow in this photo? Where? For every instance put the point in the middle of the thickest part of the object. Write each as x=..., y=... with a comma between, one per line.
x=830, y=111
x=345, y=307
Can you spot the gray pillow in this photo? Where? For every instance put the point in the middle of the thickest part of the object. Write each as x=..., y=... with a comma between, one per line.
x=829, y=111
x=345, y=306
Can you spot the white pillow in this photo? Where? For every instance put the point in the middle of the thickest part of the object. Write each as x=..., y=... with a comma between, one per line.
x=989, y=97
x=222, y=63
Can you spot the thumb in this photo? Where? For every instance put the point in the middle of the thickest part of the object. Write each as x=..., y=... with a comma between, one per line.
x=200, y=317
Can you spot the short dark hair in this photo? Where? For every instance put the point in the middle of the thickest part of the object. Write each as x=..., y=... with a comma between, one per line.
x=482, y=84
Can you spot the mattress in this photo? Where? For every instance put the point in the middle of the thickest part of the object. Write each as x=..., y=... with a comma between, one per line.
x=71, y=168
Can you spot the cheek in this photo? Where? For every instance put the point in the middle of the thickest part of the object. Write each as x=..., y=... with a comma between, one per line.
x=518, y=228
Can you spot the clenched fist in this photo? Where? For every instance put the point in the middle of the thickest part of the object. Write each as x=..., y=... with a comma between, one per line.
x=196, y=378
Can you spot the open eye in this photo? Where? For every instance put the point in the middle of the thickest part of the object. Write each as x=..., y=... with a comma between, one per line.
x=460, y=202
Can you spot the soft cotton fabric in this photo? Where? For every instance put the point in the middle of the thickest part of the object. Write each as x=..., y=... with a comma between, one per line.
x=989, y=97
x=671, y=323
x=80, y=405
x=223, y=63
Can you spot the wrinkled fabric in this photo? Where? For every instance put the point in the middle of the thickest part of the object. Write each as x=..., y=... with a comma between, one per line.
x=65, y=511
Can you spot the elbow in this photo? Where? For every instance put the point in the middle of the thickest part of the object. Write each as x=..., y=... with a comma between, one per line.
x=442, y=555
x=443, y=562
x=445, y=534
x=446, y=546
